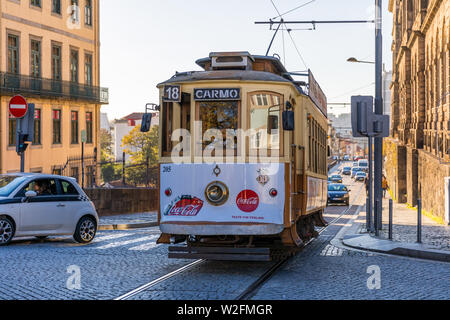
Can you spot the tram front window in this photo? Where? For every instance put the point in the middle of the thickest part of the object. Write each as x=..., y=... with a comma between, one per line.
x=265, y=121
x=220, y=116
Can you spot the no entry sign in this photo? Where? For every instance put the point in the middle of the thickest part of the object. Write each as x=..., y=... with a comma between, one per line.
x=18, y=107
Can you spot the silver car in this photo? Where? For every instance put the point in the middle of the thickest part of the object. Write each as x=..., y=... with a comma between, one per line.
x=36, y=205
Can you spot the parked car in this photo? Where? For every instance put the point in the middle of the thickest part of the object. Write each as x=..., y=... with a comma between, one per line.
x=37, y=205
x=355, y=170
x=347, y=171
x=360, y=176
x=338, y=193
x=336, y=178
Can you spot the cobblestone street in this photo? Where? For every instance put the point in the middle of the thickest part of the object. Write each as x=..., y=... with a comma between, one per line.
x=120, y=261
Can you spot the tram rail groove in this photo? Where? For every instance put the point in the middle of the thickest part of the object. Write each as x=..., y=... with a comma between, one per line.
x=251, y=290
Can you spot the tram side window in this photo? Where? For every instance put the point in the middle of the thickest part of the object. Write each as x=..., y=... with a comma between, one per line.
x=167, y=128
x=317, y=147
x=265, y=120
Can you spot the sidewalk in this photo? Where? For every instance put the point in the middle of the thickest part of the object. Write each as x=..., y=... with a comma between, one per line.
x=435, y=237
x=129, y=221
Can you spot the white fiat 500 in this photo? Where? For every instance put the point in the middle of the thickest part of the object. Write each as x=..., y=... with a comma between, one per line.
x=36, y=205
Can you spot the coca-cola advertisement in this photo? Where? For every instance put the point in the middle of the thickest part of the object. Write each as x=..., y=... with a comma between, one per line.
x=184, y=206
x=247, y=201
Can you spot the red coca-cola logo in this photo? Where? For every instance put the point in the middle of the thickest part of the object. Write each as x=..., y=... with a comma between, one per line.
x=247, y=201
x=186, y=206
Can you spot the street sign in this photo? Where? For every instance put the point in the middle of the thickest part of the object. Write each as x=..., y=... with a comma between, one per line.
x=18, y=106
x=83, y=136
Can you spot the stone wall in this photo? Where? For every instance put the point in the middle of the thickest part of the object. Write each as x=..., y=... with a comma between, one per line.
x=411, y=176
x=431, y=179
x=124, y=201
x=395, y=166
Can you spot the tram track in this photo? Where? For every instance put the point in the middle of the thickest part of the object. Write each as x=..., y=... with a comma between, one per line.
x=253, y=288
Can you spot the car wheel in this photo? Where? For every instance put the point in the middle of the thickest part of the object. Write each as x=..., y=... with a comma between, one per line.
x=86, y=230
x=6, y=231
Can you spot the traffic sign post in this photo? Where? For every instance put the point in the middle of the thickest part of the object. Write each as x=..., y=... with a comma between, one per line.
x=24, y=114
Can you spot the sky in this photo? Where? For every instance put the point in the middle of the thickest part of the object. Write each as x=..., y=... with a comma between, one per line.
x=144, y=42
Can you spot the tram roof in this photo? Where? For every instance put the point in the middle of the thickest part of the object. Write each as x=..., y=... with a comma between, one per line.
x=240, y=75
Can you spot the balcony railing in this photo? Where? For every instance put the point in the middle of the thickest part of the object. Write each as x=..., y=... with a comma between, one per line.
x=49, y=88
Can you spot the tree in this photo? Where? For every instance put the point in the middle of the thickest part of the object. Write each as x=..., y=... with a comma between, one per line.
x=105, y=145
x=142, y=146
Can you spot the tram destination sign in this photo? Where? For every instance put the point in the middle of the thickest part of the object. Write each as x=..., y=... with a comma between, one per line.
x=317, y=95
x=217, y=94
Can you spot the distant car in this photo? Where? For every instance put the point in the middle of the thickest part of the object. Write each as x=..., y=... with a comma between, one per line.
x=336, y=178
x=346, y=158
x=355, y=164
x=347, y=171
x=360, y=176
x=355, y=170
x=36, y=205
x=338, y=193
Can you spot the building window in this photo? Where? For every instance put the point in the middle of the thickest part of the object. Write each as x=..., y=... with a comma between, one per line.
x=56, y=62
x=56, y=6
x=36, y=3
x=75, y=11
x=88, y=13
x=56, y=126
x=74, y=66
x=37, y=127
x=57, y=171
x=88, y=69
x=12, y=131
x=13, y=54
x=74, y=127
x=35, y=59
x=89, y=127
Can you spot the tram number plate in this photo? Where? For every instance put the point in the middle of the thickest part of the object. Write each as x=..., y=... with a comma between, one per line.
x=172, y=93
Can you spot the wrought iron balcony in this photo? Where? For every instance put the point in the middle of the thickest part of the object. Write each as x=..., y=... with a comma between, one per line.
x=11, y=84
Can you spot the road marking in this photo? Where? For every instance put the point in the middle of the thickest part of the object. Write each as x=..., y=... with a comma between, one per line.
x=124, y=243
x=147, y=246
x=111, y=237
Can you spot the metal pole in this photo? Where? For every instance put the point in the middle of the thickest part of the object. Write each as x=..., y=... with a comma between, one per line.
x=146, y=171
x=378, y=109
x=22, y=162
x=377, y=223
x=123, y=168
x=368, y=227
x=419, y=221
x=391, y=209
x=82, y=164
x=372, y=225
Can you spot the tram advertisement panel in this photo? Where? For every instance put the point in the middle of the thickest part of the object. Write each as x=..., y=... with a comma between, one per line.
x=317, y=193
x=248, y=188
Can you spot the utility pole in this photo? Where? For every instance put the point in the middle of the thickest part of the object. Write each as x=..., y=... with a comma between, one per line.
x=378, y=110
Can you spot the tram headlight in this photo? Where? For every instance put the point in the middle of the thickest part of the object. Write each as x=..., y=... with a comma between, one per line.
x=216, y=193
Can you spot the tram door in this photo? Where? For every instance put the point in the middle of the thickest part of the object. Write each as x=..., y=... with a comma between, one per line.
x=298, y=185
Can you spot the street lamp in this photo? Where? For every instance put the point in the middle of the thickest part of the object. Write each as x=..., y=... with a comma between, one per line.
x=352, y=59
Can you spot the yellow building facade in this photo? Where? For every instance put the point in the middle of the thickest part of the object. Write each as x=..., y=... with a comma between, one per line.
x=50, y=54
x=418, y=153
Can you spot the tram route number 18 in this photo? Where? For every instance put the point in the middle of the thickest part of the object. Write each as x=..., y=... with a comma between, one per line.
x=172, y=93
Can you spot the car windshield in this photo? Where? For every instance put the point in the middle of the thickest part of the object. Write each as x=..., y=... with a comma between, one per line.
x=362, y=174
x=347, y=168
x=9, y=183
x=337, y=188
x=336, y=177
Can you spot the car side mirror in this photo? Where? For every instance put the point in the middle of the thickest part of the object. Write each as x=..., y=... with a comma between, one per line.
x=30, y=194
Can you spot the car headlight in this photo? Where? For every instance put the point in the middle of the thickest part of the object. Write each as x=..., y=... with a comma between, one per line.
x=216, y=193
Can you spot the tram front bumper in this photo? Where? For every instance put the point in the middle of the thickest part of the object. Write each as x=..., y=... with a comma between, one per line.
x=211, y=229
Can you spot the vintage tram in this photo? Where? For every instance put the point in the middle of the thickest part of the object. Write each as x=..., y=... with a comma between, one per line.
x=243, y=159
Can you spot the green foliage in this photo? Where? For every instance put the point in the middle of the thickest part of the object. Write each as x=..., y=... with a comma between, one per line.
x=142, y=146
x=105, y=146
